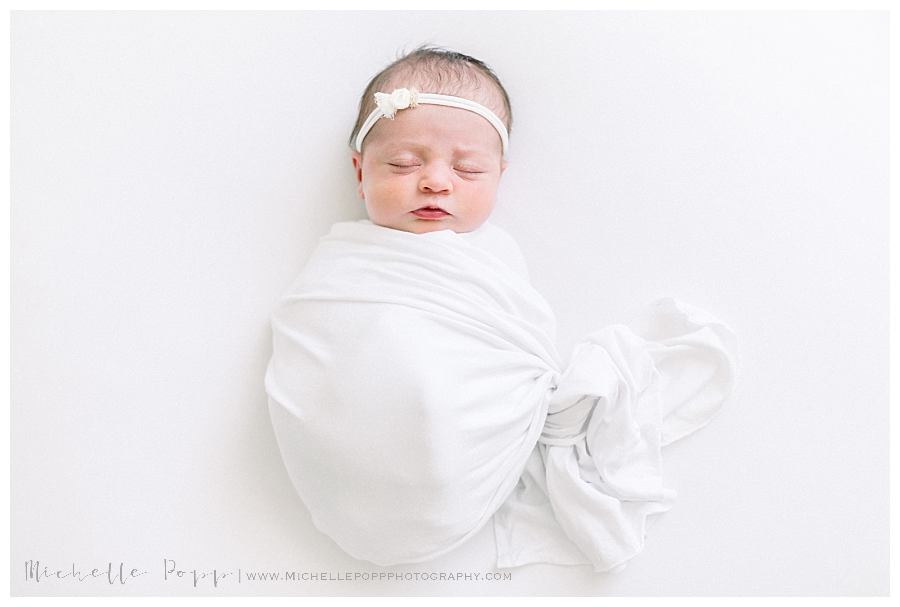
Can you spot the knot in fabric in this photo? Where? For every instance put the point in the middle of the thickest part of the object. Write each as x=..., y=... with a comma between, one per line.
x=590, y=378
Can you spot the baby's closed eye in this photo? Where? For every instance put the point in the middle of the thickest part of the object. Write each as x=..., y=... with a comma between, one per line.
x=403, y=166
x=468, y=170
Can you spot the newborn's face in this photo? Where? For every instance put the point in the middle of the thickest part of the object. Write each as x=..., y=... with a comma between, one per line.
x=431, y=168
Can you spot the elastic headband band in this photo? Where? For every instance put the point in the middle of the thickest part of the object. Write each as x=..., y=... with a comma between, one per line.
x=400, y=99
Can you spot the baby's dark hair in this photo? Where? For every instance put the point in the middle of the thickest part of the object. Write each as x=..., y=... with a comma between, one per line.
x=433, y=69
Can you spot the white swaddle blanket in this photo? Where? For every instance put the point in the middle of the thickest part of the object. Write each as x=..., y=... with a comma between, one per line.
x=416, y=393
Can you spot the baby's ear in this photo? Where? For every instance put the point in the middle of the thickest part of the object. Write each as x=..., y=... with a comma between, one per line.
x=356, y=157
x=503, y=165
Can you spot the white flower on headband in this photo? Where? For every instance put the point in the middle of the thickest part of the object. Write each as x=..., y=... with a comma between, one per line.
x=398, y=99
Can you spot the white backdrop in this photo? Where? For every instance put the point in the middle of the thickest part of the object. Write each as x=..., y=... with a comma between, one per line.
x=172, y=171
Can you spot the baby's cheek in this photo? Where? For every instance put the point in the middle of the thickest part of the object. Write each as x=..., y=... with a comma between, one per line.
x=485, y=203
x=384, y=203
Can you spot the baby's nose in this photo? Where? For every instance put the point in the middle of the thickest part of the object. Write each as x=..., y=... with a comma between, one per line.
x=436, y=178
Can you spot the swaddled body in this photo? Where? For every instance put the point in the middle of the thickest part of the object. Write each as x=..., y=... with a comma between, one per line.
x=417, y=376
x=414, y=377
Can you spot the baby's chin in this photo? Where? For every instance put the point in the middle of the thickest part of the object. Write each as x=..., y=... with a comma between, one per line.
x=424, y=226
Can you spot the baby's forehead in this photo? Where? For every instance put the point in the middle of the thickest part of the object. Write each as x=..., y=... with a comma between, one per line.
x=433, y=127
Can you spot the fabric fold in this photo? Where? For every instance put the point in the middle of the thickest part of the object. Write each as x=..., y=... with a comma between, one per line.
x=620, y=400
x=416, y=395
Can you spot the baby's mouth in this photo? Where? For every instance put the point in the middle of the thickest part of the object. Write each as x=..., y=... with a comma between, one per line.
x=430, y=212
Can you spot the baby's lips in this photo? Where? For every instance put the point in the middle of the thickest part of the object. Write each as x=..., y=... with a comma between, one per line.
x=432, y=207
x=431, y=212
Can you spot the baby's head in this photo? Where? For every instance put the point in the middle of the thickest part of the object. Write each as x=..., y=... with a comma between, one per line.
x=437, y=164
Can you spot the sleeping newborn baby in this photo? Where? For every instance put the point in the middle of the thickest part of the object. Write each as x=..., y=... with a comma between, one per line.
x=415, y=389
x=437, y=168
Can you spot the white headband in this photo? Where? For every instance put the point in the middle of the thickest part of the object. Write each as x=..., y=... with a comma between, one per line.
x=400, y=99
